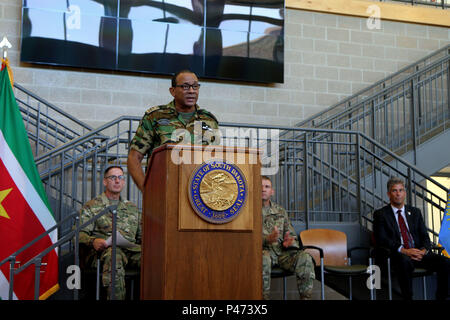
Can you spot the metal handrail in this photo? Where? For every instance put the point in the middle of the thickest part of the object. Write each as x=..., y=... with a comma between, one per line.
x=53, y=107
x=40, y=117
x=42, y=235
x=341, y=131
x=379, y=85
x=36, y=260
x=374, y=143
x=82, y=139
x=383, y=91
x=404, y=115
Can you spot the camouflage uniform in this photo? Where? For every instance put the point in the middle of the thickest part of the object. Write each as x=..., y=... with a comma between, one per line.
x=158, y=124
x=297, y=261
x=128, y=224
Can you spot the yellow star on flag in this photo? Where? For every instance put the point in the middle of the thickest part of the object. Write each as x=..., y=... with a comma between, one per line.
x=3, y=195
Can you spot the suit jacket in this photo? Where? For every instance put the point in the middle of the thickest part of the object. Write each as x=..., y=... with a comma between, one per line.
x=387, y=233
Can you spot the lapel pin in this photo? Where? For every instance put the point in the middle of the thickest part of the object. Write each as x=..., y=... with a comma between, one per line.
x=409, y=213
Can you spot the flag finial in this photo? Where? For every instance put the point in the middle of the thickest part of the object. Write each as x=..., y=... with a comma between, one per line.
x=5, y=45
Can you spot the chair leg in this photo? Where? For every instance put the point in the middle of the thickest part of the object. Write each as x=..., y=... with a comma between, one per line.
x=424, y=288
x=389, y=278
x=97, y=290
x=322, y=280
x=284, y=289
x=373, y=290
x=350, y=287
x=350, y=280
x=132, y=289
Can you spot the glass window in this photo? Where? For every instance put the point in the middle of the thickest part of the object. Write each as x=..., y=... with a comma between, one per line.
x=174, y=11
x=227, y=39
x=91, y=7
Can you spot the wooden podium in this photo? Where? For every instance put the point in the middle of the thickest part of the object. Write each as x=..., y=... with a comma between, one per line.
x=184, y=256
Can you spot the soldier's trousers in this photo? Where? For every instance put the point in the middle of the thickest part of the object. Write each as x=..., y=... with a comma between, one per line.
x=297, y=261
x=124, y=258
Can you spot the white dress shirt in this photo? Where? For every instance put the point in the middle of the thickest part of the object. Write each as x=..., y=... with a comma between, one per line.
x=406, y=222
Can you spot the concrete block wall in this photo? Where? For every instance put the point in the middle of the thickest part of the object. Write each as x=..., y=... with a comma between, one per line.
x=327, y=58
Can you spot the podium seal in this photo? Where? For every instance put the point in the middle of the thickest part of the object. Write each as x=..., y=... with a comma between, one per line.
x=217, y=191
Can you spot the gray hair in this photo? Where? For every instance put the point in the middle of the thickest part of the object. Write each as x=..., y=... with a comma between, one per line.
x=393, y=181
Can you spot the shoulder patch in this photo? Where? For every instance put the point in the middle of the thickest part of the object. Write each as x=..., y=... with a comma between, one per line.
x=153, y=109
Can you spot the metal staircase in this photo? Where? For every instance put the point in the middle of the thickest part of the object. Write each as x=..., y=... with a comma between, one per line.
x=322, y=174
x=408, y=114
x=47, y=125
x=403, y=112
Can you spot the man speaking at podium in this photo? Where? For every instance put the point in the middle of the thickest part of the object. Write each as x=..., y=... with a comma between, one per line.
x=159, y=123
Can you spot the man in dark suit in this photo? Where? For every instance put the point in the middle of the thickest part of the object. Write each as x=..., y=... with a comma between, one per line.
x=401, y=229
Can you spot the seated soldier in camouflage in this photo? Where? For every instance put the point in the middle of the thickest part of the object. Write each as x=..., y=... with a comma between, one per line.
x=128, y=224
x=159, y=123
x=280, y=246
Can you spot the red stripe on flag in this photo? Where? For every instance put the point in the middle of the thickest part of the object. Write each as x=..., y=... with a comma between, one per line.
x=21, y=228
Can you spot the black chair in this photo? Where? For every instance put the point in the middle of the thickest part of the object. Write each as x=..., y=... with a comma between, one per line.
x=277, y=272
x=131, y=275
x=385, y=254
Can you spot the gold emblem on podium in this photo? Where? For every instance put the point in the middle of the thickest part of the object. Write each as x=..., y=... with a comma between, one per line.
x=217, y=191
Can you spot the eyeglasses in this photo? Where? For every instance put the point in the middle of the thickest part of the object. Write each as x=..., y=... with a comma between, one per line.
x=113, y=178
x=186, y=86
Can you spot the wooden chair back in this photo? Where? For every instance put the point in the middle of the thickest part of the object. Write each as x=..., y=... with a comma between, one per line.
x=332, y=242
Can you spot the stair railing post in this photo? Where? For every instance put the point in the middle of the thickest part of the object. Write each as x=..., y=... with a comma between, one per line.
x=12, y=264
x=77, y=251
x=113, y=254
x=37, y=277
x=358, y=169
x=413, y=119
x=305, y=168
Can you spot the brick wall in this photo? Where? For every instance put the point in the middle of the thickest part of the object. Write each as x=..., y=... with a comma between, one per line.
x=327, y=57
